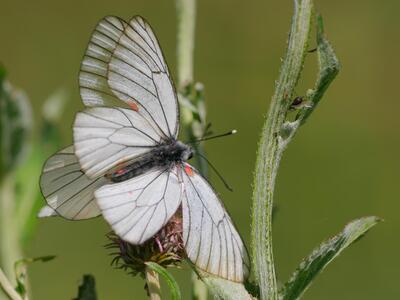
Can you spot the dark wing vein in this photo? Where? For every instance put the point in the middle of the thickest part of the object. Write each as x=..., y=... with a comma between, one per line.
x=143, y=189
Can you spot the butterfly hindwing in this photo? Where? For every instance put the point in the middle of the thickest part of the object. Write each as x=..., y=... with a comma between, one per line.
x=67, y=189
x=211, y=240
x=139, y=207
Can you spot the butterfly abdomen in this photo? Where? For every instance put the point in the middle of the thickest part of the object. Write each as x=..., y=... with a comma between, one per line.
x=162, y=156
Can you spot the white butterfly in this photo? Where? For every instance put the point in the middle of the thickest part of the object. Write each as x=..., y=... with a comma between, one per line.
x=126, y=162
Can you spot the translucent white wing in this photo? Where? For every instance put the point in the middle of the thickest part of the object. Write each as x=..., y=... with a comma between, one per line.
x=47, y=211
x=139, y=207
x=137, y=71
x=67, y=189
x=93, y=84
x=211, y=241
x=124, y=61
x=105, y=137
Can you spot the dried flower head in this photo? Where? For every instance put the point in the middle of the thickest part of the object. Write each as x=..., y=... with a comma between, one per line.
x=165, y=248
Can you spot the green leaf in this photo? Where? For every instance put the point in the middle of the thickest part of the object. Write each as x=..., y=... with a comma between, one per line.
x=329, y=67
x=171, y=282
x=323, y=255
x=225, y=289
x=194, y=119
x=15, y=125
x=28, y=196
x=87, y=289
x=52, y=112
x=20, y=268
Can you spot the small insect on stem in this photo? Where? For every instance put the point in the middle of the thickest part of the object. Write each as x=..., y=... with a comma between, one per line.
x=296, y=103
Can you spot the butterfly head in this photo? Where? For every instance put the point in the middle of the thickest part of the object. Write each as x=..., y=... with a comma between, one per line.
x=186, y=152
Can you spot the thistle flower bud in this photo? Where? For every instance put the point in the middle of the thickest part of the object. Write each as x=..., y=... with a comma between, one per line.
x=164, y=248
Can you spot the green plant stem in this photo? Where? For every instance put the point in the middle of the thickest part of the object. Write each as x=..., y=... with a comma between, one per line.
x=7, y=287
x=270, y=150
x=153, y=284
x=186, y=14
x=10, y=250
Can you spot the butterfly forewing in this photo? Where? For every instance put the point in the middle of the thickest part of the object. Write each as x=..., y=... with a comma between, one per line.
x=139, y=207
x=211, y=241
x=67, y=189
x=105, y=137
x=138, y=72
x=93, y=84
x=124, y=63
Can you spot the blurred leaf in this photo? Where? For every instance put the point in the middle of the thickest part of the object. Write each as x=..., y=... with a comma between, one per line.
x=171, y=282
x=20, y=268
x=29, y=197
x=53, y=109
x=87, y=290
x=225, y=289
x=193, y=110
x=323, y=255
x=199, y=288
x=192, y=101
x=15, y=125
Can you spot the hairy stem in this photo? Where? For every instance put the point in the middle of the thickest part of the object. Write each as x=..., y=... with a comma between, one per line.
x=270, y=148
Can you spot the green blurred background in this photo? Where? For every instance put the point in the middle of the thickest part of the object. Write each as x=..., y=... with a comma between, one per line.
x=342, y=165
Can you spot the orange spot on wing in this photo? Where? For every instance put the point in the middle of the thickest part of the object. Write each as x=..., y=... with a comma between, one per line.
x=133, y=106
x=189, y=170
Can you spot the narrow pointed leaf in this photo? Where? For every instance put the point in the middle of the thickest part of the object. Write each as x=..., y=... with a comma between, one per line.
x=329, y=67
x=323, y=255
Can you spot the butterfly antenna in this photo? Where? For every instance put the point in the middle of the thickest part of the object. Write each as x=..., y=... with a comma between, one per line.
x=216, y=172
x=213, y=137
